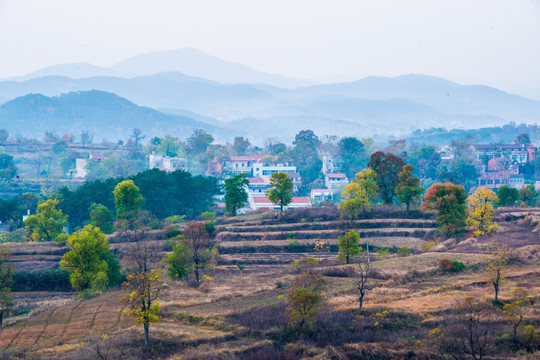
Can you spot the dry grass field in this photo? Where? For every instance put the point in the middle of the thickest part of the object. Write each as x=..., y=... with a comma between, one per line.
x=239, y=311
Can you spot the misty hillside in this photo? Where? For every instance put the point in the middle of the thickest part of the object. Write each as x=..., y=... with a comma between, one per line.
x=189, y=61
x=106, y=115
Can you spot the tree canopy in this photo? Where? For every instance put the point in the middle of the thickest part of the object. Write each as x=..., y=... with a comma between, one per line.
x=281, y=192
x=387, y=167
x=236, y=195
x=449, y=201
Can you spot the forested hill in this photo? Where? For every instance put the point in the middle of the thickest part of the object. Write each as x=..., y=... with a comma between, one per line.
x=103, y=113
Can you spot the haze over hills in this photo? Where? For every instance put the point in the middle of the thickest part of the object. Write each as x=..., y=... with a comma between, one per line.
x=235, y=98
x=186, y=60
x=106, y=115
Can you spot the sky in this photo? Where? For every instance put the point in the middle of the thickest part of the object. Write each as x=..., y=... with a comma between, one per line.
x=490, y=42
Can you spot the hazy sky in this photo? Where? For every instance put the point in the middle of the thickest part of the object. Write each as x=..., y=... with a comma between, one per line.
x=493, y=42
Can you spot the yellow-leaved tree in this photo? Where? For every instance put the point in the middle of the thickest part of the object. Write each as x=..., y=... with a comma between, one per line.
x=142, y=290
x=480, y=211
x=359, y=194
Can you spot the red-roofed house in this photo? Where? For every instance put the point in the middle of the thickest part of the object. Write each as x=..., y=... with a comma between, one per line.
x=256, y=203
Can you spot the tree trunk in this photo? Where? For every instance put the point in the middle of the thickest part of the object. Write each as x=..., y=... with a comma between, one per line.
x=407, y=209
x=1, y=318
x=197, y=274
x=146, y=339
x=360, y=301
x=496, y=287
x=281, y=206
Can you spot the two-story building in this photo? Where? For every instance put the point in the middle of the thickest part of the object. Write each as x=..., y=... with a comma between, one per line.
x=336, y=181
x=166, y=163
x=257, y=166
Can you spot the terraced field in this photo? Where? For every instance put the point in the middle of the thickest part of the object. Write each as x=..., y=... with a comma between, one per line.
x=236, y=311
x=247, y=241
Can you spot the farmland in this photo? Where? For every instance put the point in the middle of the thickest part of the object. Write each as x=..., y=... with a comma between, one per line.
x=239, y=310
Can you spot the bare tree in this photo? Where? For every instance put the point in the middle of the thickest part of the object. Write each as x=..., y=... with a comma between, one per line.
x=471, y=312
x=87, y=137
x=361, y=282
x=137, y=136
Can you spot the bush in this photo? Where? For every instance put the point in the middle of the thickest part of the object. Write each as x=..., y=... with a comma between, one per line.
x=48, y=280
x=15, y=236
x=304, y=262
x=404, y=251
x=210, y=227
x=428, y=245
x=61, y=239
x=448, y=265
x=171, y=231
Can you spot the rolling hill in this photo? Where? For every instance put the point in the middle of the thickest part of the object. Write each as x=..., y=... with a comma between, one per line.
x=106, y=115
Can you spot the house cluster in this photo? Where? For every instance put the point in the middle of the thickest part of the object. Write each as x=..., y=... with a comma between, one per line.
x=259, y=169
x=501, y=164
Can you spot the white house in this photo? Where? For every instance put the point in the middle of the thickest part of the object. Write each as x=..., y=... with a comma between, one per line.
x=80, y=165
x=336, y=181
x=257, y=166
x=257, y=186
x=256, y=203
x=321, y=195
x=166, y=163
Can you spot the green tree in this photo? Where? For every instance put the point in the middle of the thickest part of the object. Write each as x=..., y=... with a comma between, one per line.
x=198, y=142
x=281, y=192
x=353, y=155
x=127, y=198
x=197, y=240
x=507, y=196
x=306, y=157
x=8, y=170
x=47, y=223
x=4, y=135
x=387, y=167
x=87, y=260
x=523, y=139
x=167, y=146
x=305, y=301
x=359, y=194
x=236, y=195
x=141, y=293
x=449, y=202
x=528, y=195
x=348, y=246
x=6, y=272
x=240, y=145
x=102, y=217
x=408, y=190
x=180, y=262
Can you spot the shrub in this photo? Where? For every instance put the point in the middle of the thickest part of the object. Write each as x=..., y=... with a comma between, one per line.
x=171, y=231
x=404, y=251
x=48, y=280
x=304, y=262
x=210, y=227
x=15, y=236
x=448, y=265
x=207, y=215
x=428, y=245
x=61, y=239
x=293, y=245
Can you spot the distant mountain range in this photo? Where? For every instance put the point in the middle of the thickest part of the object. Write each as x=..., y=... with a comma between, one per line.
x=189, y=61
x=194, y=89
